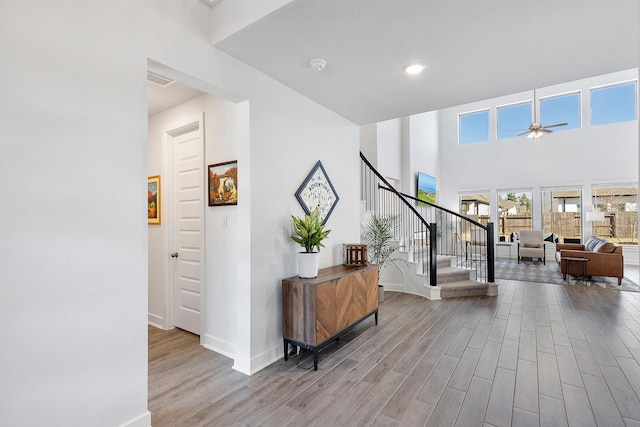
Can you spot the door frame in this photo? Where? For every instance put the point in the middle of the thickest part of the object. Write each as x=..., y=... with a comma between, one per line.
x=188, y=125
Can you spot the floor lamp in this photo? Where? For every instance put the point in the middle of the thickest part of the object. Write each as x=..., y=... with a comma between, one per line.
x=593, y=217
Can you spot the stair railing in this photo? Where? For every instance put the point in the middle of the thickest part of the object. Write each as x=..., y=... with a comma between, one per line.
x=427, y=230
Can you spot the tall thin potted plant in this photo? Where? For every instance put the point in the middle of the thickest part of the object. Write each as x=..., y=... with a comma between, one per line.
x=309, y=233
x=379, y=235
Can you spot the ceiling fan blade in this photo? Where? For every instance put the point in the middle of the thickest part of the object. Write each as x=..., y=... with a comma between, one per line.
x=557, y=124
x=523, y=133
x=545, y=130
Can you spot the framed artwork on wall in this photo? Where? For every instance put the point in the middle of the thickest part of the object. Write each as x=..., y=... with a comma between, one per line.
x=153, y=199
x=426, y=188
x=223, y=183
x=317, y=191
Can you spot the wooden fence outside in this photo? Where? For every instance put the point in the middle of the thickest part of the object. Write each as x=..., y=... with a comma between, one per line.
x=620, y=227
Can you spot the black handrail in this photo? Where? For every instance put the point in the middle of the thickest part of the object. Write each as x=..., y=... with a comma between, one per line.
x=440, y=235
x=390, y=188
x=465, y=218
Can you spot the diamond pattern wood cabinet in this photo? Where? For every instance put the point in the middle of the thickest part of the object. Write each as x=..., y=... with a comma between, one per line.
x=317, y=311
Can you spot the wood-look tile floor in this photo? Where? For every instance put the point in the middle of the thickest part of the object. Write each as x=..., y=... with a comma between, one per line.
x=536, y=355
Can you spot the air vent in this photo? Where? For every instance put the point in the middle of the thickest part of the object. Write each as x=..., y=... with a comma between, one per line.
x=158, y=79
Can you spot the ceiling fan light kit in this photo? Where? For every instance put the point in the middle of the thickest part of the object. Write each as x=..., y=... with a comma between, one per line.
x=537, y=130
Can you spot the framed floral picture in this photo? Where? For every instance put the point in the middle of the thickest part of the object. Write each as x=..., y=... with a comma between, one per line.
x=223, y=183
x=153, y=199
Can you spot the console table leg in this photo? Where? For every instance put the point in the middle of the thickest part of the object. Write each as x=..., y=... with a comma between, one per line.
x=376, y=316
x=315, y=358
x=286, y=353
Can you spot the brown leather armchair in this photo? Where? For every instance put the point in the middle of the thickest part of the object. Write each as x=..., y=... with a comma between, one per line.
x=605, y=258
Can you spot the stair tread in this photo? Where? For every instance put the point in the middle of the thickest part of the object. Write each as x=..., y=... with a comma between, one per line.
x=451, y=270
x=464, y=284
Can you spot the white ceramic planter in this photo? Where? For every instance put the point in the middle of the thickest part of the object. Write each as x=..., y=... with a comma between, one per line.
x=308, y=263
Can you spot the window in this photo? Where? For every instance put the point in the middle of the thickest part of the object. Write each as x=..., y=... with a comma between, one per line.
x=619, y=202
x=513, y=119
x=561, y=213
x=613, y=104
x=561, y=109
x=514, y=209
x=474, y=127
x=476, y=206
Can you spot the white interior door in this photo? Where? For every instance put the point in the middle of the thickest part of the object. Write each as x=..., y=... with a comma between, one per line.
x=188, y=241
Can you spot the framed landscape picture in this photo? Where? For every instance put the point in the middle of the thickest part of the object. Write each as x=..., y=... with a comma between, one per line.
x=153, y=199
x=426, y=187
x=223, y=183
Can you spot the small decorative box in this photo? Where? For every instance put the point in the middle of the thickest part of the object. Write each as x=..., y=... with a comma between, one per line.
x=355, y=254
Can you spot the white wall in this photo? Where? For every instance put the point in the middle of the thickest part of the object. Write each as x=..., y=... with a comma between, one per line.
x=73, y=236
x=73, y=281
x=422, y=149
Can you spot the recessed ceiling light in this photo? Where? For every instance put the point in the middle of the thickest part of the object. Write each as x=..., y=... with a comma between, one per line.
x=414, y=68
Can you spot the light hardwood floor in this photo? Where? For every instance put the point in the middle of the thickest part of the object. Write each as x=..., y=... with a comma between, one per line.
x=537, y=354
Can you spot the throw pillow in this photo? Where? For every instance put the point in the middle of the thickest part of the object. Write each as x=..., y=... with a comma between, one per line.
x=552, y=237
x=591, y=243
x=607, y=248
x=533, y=245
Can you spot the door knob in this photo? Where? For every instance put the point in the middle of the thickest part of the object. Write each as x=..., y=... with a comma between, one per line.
x=174, y=255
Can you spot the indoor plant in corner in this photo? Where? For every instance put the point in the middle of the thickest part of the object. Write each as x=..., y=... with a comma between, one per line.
x=379, y=235
x=309, y=233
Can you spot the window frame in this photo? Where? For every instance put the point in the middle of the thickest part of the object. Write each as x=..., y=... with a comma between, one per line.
x=469, y=113
x=609, y=86
x=503, y=230
x=543, y=99
x=531, y=103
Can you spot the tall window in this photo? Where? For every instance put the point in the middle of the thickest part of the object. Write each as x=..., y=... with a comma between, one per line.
x=613, y=104
x=476, y=206
x=514, y=207
x=513, y=119
x=619, y=202
x=561, y=109
x=474, y=127
x=561, y=213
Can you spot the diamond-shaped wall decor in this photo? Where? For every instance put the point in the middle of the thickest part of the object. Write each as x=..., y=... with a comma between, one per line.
x=317, y=190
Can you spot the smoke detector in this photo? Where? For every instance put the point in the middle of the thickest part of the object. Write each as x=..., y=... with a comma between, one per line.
x=318, y=64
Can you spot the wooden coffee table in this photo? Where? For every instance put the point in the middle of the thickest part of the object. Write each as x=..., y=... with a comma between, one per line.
x=583, y=267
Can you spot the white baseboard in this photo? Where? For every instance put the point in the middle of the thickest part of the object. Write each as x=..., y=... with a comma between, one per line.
x=261, y=361
x=156, y=321
x=143, y=420
x=433, y=292
x=223, y=347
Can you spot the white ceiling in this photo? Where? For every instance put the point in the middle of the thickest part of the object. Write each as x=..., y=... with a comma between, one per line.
x=161, y=98
x=474, y=49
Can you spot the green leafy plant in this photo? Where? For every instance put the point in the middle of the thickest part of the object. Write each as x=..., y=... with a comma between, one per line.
x=379, y=235
x=309, y=231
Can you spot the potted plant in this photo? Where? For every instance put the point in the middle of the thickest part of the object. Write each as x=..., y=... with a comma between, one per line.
x=309, y=233
x=379, y=235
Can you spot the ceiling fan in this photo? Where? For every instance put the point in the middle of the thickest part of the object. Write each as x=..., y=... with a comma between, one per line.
x=536, y=130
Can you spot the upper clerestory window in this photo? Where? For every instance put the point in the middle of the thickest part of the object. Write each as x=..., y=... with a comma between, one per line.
x=473, y=127
x=614, y=104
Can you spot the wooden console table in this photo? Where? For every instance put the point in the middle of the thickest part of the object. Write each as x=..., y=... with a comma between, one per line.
x=317, y=311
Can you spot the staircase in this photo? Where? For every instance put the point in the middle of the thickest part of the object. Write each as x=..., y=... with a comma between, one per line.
x=462, y=249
